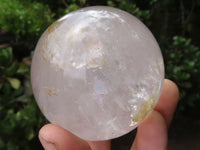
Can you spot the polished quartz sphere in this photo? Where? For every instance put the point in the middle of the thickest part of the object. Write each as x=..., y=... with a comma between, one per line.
x=97, y=72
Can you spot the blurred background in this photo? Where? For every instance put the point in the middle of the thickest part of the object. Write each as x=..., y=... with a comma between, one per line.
x=175, y=24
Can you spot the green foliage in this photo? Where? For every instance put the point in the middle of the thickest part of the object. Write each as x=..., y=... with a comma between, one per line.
x=130, y=7
x=24, y=18
x=183, y=66
x=71, y=7
x=19, y=115
x=6, y=57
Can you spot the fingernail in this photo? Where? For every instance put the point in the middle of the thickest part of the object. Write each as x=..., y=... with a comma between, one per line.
x=47, y=145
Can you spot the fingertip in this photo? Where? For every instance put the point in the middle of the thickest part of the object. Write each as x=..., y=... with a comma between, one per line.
x=44, y=131
x=46, y=138
x=153, y=127
x=100, y=145
x=172, y=86
x=55, y=137
x=151, y=133
x=168, y=100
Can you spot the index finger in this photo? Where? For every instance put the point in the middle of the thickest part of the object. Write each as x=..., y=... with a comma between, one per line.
x=168, y=102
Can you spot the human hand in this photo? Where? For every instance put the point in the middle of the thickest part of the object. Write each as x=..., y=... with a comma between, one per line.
x=151, y=133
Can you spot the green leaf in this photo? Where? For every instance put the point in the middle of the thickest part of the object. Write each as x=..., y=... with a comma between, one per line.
x=23, y=99
x=8, y=124
x=30, y=134
x=14, y=82
x=1, y=107
x=82, y=1
x=71, y=8
x=152, y=2
x=6, y=56
x=111, y=3
x=12, y=69
x=6, y=89
x=18, y=92
x=23, y=68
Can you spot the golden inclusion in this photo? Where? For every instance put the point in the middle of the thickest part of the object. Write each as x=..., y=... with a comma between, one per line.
x=97, y=72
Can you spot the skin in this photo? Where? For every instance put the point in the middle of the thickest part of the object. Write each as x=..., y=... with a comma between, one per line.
x=151, y=133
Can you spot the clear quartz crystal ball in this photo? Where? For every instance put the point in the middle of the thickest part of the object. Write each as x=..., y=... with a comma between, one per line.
x=97, y=72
